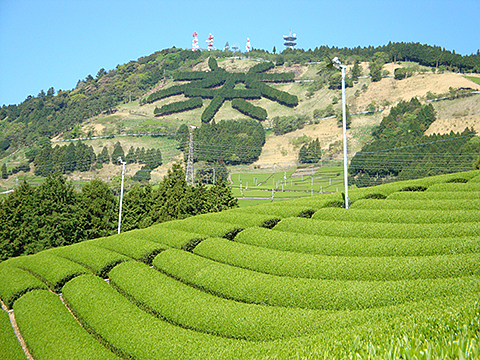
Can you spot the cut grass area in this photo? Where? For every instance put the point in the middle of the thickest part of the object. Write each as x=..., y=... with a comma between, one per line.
x=475, y=79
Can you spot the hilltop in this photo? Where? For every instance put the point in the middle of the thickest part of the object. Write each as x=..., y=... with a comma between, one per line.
x=311, y=86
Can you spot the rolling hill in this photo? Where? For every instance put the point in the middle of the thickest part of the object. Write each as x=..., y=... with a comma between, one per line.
x=394, y=276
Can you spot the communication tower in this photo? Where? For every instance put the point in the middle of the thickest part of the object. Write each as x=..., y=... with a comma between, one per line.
x=248, y=47
x=209, y=41
x=194, y=42
x=290, y=40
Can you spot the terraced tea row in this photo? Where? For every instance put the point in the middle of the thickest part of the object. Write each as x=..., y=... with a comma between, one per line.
x=257, y=288
x=300, y=265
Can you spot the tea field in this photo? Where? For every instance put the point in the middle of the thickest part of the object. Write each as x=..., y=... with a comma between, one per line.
x=396, y=276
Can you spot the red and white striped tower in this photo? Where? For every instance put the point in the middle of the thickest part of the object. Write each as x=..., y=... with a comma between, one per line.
x=210, y=42
x=248, y=47
x=194, y=42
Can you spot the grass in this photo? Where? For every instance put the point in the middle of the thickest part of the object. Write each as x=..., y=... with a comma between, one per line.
x=475, y=79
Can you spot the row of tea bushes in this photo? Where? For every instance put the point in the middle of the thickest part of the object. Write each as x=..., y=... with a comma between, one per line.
x=357, y=246
x=377, y=230
x=51, y=332
x=435, y=195
x=294, y=264
x=9, y=345
x=258, y=288
x=16, y=282
x=440, y=205
x=133, y=333
x=194, y=309
x=398, y=216
x=53, y=270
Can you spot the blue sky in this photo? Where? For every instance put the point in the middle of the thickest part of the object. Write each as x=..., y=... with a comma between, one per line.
x=48, y=43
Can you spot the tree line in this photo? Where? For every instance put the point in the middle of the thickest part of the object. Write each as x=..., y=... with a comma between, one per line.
x=401, y=151
x=54, y=214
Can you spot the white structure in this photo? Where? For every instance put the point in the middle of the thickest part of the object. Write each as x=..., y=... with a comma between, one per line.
x=209, y=41
x=290, y=40
x=336, y=62
x=194, y=42
x=248, y=47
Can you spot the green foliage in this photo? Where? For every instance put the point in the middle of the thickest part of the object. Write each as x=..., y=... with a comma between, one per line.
x=239, y=142
x=356, y=246
x=253, y=287
x=192, y=308
x=51, y=332
x=403, y=73
x=364, y=268
x=16, y=282
x=11, y=349
x=64, y=159
x=106, y=313
x=255, y=112
x=52, y=270
x=212, y=109
x=400, y=149
x=286, y=124
x=180, y=106
x=310, y=153
x=348, y=118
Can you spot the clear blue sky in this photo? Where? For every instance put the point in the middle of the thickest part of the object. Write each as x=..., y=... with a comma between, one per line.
x=49, y=43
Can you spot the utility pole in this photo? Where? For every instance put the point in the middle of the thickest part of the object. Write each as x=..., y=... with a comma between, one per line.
x=189, y=171
x=336, y=63
x=121, y=194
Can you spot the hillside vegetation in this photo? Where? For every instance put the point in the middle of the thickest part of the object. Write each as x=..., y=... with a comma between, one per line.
x=395, y=276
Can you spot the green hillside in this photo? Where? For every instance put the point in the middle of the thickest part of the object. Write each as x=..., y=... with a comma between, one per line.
x=395, y=276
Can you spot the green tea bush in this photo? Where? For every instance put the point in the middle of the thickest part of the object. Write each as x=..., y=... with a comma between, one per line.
x=457, y=180
x=51, y=332
x=194, y=309
x=131, y=332
x=455, y=187
x=11, y=349
x=16, y=282
x=375, y=196
x=253, y=287
x=96, y=259
x=294, y=264
x=205, y=228
x=377, y=230
x=436, y=195
x=241, y=219
x=440, y=205
x=164, y=236
x=414, y=188
x=398, y=216
x=131, y=245
x=276, y=210
x=54, y=271
x=357, y=246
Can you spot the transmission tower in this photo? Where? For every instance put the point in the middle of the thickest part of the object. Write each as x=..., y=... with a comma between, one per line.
x=189, y=171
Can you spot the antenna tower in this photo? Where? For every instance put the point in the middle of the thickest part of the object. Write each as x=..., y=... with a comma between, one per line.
x=209, y=41
x=248, y=47
x=194, y=42
x=290, y=40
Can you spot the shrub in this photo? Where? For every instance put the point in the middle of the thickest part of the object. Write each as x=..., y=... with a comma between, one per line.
x=9, y=344
x=261, y=67
x=364, y=268
x=54, y=271
x=414, y=188
x=248, y=109
x=376, y=196
x=253, y=287
x=212, y=109
x=457, y=180
x=97, y=260
x=194, y=309
x=51, y=332
x=179, y=106
x=131, y=332
x=202, y=228
x=131, y=245
x=16, y=282
x=421, y=204
x=357, y=246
